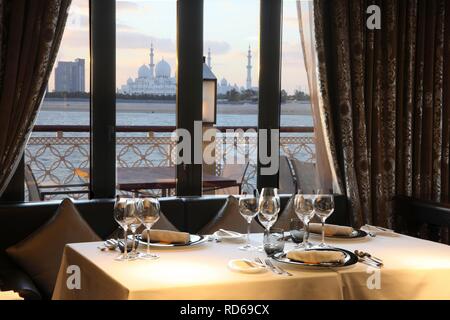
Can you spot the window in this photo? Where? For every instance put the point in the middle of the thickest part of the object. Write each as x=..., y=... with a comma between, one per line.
x=297, y=148
x=232, y=53
x=59, y=151
x=57, y=154
x=146, y=95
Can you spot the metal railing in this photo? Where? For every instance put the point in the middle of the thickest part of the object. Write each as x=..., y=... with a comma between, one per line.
x=54, y=153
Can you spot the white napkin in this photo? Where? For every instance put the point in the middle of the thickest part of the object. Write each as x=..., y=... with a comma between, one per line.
x=167, y=236
x=331, y=229
x=378, y=230
x=9, y=295
x=316, y=256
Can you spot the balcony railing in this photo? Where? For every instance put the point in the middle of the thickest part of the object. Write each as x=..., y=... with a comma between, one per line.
x=54, y=153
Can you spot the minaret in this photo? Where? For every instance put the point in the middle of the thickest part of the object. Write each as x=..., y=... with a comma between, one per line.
x=249, y=69
x=209, y=58
x=152, y=64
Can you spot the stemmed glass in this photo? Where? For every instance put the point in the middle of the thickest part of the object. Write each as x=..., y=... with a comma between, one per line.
x=148, y=213
x=269, y=207
x=304, y=209
x=323, y=208
x=124, y=214
x=248, y=208
x=134, y=225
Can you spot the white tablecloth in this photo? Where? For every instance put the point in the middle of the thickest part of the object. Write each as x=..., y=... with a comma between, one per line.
x=414, y=269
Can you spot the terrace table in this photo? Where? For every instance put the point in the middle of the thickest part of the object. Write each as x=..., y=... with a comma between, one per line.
x=141, y=178
x=414, y=269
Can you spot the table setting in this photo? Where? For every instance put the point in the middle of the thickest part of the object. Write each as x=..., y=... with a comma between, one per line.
x=305, y=261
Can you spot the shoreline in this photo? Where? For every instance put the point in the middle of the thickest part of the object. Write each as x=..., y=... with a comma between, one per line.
x=82, y=105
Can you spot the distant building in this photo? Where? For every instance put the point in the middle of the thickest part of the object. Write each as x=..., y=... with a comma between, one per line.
x=151, y=79
x=223, y=87
x=157, y=79
x=69, y=76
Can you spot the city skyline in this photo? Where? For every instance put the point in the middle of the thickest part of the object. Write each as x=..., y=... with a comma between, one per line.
x=228, y=41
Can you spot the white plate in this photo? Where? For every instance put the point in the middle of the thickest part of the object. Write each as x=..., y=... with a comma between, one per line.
x=239, y=265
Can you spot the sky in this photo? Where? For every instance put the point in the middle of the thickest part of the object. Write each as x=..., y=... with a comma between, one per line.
x=230, y=26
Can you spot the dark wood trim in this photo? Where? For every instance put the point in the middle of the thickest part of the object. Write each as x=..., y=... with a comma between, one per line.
x=103, y=98
x=269, y=78
x=76, y=128
x=189, y=88
x=15, y=191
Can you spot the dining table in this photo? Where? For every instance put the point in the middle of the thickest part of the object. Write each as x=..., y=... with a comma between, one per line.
x=133, y=179
x=413, y=269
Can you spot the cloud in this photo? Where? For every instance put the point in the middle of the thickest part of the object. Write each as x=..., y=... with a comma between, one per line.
x=137, y=40
x=217, y=47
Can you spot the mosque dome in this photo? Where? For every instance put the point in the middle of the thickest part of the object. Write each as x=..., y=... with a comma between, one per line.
x=162, y=69
x=129, y=81
x=224, y=82
x=144, y=72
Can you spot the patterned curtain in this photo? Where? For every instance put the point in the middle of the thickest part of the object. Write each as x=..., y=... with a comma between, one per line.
x=30, y=34
x=386, y=101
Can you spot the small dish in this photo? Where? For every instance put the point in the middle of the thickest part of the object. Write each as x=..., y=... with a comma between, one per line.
x=245, y=266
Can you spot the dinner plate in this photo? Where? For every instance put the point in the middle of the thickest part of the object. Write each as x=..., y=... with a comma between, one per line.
x=355, y=235
x=194, y=239
x=350, y=259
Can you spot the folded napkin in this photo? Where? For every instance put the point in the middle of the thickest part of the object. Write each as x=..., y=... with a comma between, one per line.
x=331, y=229
x=167, y=236
x=9, y=295
x=316, y=256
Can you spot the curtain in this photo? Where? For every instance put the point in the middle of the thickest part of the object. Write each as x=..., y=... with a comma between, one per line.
x=326, y=176
x=30, y=34
x=385, y=101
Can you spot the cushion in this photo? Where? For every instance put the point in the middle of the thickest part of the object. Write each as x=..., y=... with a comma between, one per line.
x=229, y=218
x=40, y=253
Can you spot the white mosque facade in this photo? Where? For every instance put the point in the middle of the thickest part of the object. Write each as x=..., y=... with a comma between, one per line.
x=152, y=79
x=157, y=79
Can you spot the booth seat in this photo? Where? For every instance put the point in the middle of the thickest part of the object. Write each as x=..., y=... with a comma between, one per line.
x=189, y=214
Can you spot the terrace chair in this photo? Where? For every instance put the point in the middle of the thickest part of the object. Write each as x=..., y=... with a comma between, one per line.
x=236, y=172
x=36, y=193
x=287, y=183
x=305, y=176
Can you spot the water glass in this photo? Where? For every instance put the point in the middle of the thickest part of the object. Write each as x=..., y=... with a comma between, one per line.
x=273, y=241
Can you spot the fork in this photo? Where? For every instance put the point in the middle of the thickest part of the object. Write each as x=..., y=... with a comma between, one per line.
x=258, y=260
x=280, y=270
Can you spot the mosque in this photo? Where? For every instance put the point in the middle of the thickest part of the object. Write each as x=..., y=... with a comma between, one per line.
x=157, y=79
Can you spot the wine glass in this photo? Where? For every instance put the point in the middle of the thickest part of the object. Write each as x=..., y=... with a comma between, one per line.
x=323, y=208
x=304, y=209
x=248, y=208
x=124, y=214
x=134, y=225
x=148, y=214
x=269, y=205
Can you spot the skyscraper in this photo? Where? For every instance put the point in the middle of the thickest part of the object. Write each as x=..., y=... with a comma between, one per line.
x=69, y=76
